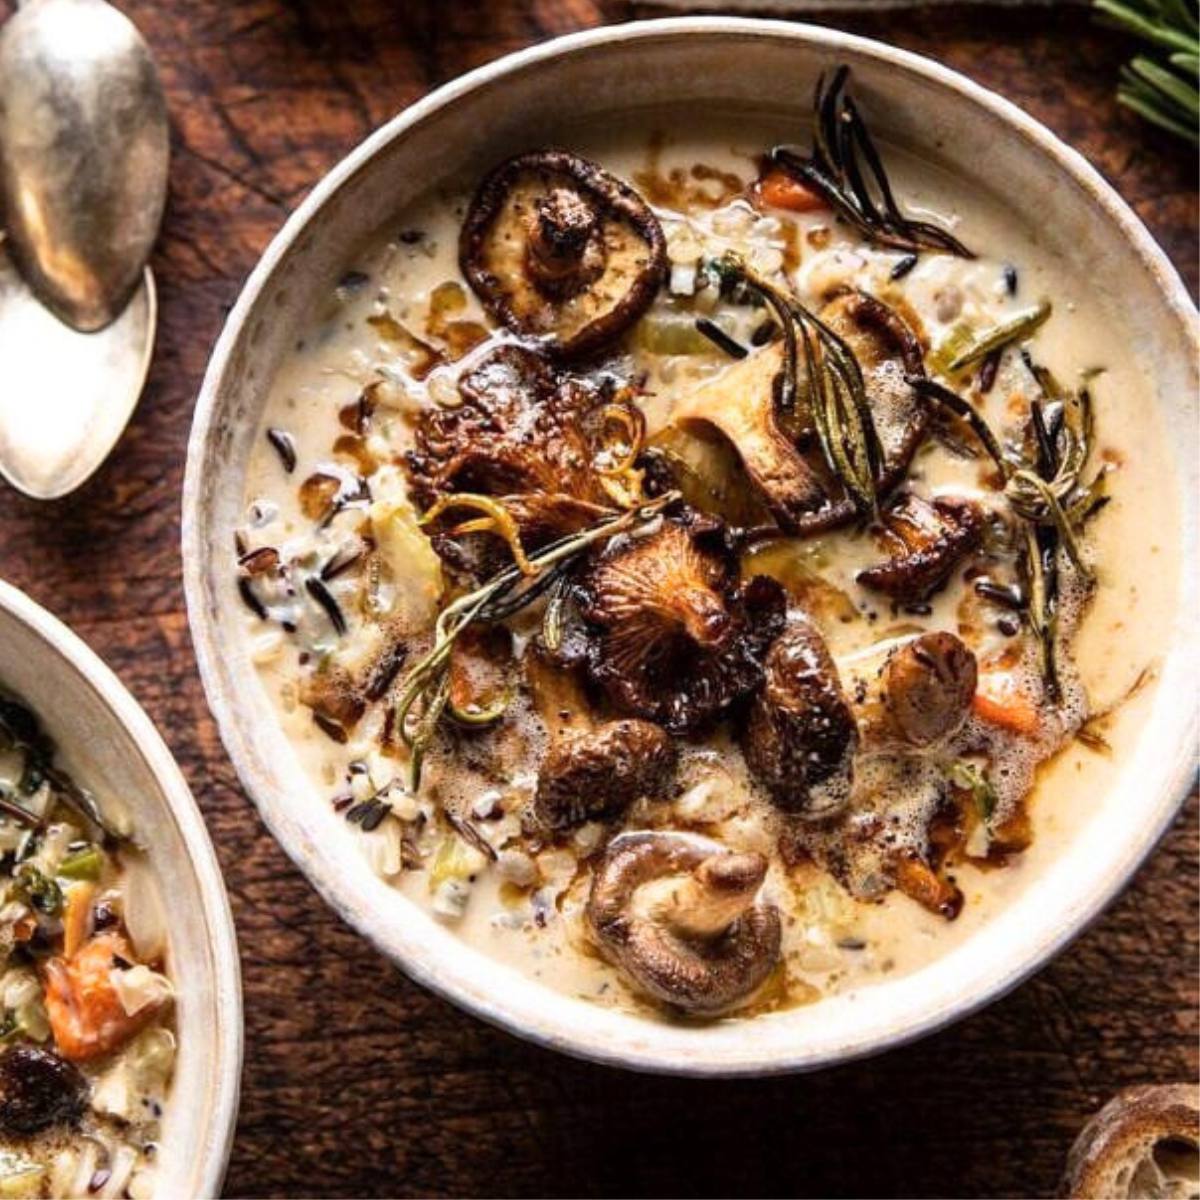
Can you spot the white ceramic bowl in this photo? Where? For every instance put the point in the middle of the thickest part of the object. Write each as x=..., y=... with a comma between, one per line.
x=110, y=744
x=518, y=102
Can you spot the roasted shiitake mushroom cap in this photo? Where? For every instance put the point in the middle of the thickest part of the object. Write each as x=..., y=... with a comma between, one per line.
x=38, y=1089
x=557, y=248
x=596, y=774
x=679, y=916
x=930, y=539
x=800, y=737
x=783, y=457
x=676, y=639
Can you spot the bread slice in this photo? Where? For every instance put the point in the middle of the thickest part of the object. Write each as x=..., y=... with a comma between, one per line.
x=1143, y=1144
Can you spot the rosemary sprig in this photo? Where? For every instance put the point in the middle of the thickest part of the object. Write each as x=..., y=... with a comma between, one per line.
x=428, y=683
x=1046, y=494
x=846, y=169
x=837, y=394
x=1164, y=88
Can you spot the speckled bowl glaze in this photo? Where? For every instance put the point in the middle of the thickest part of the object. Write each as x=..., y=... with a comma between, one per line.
x=520, y=101
x=110, y=743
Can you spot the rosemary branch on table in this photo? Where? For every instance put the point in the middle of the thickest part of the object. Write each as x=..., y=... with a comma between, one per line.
x=1162, y=85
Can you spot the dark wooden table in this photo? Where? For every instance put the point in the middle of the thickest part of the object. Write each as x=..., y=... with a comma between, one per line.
x=359, y=1083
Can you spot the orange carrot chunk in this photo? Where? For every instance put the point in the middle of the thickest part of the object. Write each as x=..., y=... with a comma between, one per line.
x=86, y=1015
x=777, y=189
x=999, y=701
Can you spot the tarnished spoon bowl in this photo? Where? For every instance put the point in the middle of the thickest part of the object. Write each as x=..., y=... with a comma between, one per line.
x=83, y=155
x=65, y=396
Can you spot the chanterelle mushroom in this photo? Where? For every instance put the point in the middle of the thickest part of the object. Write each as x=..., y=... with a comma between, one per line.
x=557, y=248
x=930, y=540
x=801, y=736
x=676, y=638
x=785, y=463
x=679, y=916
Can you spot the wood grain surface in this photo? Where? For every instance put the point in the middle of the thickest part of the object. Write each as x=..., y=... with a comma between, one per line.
x=359, y=1083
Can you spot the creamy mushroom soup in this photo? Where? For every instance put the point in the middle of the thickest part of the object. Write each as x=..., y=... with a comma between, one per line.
x=702, y=576
x=86, y=1011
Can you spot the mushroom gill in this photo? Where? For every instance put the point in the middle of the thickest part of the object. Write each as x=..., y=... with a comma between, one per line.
x=681, y=917
x=675, y=638
x=524, y=435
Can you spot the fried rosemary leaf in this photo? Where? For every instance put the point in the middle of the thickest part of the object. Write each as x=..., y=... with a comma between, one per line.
x=1046, y=494
x=425, y=689
x=837, y=394
x=845, y=168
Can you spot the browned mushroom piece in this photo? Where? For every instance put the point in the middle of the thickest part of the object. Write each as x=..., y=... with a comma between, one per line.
x=522, y=434
x=38, y=1089
x=676, y=638
x=784, y=461
x=680, y=916
x=557, y=248
x=913, y=695
x=596, y=774
x=800, y=737
x=929, y=540
x=1143, y=1143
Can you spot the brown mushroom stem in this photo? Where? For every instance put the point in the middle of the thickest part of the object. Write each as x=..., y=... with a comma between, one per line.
x=688, y=961
x=912, y=695
x=708, y=901
x=564, y=247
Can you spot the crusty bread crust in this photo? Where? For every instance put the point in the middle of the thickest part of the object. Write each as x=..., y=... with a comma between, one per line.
x=1114, y=1154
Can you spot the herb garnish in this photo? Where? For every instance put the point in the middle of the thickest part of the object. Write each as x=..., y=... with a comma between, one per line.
x=845, y=168
x=428, y=683
x=837, y=394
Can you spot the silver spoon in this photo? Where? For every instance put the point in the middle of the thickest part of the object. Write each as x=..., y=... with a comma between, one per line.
x=83, y=175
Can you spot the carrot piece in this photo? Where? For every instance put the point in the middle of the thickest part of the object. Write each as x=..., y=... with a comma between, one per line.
x=999, y=701
x=86, y=1014
x=777, y=189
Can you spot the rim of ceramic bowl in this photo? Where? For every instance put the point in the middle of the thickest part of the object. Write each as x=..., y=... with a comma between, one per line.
x=351, y=899
x=208, y=1169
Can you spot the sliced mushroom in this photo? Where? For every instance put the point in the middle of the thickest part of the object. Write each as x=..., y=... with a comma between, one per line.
x=596, y=774
x=800, y=738
x=914, y=695
x=38, y=1089
x=557, y=248
x=676, y=638
x=930, y=539
x=1143, y=1143
x=680, y=917
x=784, y=460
